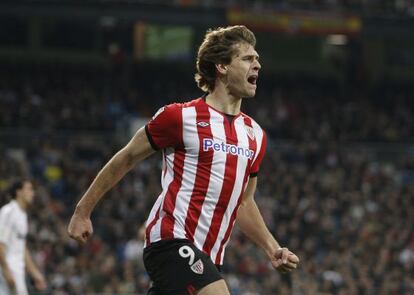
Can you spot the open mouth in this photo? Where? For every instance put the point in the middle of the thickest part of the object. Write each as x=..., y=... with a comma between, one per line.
x=252, y=79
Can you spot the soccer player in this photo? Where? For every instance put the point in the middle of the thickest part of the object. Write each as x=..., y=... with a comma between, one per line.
x=14, y=255
x=211, y=158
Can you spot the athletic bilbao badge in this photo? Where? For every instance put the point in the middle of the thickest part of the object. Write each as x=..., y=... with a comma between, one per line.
x=250, y=132
x=198, y=267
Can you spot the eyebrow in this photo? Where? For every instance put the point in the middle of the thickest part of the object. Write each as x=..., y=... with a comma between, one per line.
x=251, y=55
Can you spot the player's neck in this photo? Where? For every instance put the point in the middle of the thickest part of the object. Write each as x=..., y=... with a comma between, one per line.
x=221, y=100
x=22, y=204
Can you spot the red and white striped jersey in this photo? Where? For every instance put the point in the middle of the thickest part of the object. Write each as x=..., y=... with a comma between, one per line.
x=207, y=162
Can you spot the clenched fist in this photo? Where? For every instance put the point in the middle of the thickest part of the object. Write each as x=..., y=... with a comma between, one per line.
x=284, y=260
x=80, y=228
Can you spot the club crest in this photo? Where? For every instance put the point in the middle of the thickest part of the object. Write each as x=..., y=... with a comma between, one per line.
x=198, y=267
x=250, y=132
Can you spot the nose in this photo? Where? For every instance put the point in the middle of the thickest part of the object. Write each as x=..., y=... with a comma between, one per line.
x=257, y=66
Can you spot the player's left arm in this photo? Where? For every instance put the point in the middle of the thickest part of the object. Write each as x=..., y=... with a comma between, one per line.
x=38, y=278
x=251, y=223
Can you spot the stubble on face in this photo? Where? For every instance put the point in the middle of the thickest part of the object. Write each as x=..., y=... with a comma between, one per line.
x=244, y=64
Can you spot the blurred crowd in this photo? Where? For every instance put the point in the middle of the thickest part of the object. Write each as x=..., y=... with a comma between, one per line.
x=348, y=216
x=344, y=211
x=298, y=107
x=303, y=110
x=360, y=6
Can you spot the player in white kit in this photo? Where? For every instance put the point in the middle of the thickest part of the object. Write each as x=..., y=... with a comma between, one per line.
x=14, y=256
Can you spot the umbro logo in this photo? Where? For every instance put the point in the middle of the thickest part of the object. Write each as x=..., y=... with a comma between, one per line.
x=203, y=124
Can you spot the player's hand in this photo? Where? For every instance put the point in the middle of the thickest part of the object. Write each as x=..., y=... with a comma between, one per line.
x=9, y=279
x=40, y=282
x=80, y=228
x=284, y=260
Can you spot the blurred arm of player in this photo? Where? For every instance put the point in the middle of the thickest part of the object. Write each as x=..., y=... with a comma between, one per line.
x=253, y=226
x=38, y=278
x=7, y=274
x=138, y=148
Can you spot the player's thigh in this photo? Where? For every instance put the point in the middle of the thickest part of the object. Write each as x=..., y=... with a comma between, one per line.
x=215, y=288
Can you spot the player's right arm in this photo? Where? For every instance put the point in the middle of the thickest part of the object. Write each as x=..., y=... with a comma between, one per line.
x=5, y=236
x=7, y=274
x=139, y=148
x=162, y=131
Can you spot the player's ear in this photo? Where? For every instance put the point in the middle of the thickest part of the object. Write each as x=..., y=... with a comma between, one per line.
x=221, y=69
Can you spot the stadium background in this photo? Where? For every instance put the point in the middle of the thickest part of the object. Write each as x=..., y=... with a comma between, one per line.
x=336, y=96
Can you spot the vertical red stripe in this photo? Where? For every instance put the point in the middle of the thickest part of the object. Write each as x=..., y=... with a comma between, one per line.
x=202, y=178
x=226, y=190
x=252, y=146
x=150, y=226
x=167, y=223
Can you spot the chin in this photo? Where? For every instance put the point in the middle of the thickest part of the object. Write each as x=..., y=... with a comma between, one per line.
x=250, y=94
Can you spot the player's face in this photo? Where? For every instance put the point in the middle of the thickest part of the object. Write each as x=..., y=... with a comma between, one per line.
x=243, y=71
x=27, y=192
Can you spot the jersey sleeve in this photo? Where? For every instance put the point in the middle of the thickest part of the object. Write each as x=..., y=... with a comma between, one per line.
x=165, y=127
x=5, y=227
x=254, y=170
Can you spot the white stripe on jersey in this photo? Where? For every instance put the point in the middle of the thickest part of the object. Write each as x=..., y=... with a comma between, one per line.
x=215, y=183
x=166, y=179
x=190, y=139
x=258, y=133
x=242, y=162
x=186, y=152
x=155, y=231
x=228, y=240
x=169, y=174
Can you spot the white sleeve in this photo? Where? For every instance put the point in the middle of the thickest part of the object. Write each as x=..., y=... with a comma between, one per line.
x=5, y=226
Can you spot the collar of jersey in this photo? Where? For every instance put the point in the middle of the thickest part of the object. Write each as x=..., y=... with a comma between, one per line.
x=203, y=98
